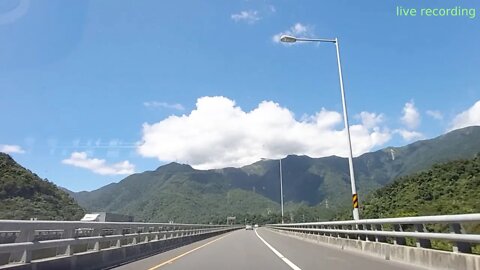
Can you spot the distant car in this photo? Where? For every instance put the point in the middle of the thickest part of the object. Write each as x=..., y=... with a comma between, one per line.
x=255, y=226
x=248, y=227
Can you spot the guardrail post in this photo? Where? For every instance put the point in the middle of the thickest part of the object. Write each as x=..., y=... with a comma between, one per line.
x=67, y=250
x=421, y=242
x=96, y=246
x=134, y=239
x=380, y=238
x=399, y=240
x=360, y=236
x=460, y=246
x=26, y=235
x=340, y=235
x=119, y=241
x=368, y=227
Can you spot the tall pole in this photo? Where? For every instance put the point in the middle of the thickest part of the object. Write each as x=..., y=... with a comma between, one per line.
x=347, y=128
x=281, y=188
x=291, y=39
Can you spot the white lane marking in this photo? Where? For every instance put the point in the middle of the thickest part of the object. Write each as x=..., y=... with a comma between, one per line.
x=284, y=259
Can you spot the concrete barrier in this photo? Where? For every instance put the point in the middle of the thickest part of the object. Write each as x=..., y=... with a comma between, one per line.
x=52, y=245
x=430, y=258
x=91, y=260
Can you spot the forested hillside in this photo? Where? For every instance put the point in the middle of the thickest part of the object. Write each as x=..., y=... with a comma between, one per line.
x=23, y=195
x=449, y=188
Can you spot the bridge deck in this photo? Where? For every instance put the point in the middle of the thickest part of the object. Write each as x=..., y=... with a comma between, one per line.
x=243, y=249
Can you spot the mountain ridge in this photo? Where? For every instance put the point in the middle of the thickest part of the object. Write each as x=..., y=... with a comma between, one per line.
x=310, y=181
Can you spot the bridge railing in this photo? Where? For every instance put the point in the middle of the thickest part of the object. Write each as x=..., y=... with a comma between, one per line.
x=423, y=230
x=27, y=241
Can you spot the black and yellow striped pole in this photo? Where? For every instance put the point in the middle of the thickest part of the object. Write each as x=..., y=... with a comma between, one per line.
x=355, y=200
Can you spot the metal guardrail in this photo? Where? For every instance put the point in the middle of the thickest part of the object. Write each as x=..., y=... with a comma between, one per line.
x=397, y=230
x=25, y=241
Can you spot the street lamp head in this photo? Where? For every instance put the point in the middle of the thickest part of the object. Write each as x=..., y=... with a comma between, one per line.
x=288, y=39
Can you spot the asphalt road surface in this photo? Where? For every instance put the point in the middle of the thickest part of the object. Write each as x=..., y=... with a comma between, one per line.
x=260, y=249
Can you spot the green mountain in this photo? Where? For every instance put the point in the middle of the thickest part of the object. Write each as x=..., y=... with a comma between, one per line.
x=448, y=188
x=181, y=193
x=445, y=189
x=323, y=180
x=23, y=195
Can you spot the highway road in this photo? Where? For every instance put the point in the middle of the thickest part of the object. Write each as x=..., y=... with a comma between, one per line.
x=260, y=249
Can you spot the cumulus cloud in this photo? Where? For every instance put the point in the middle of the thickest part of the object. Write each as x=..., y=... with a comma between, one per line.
x=470, y=117
x=99, y=166
x=248, y=16
x=11, y=149
x=158, y=104
x=371, y=120
x=218, y=133
x=409, y=135
x=298, y=30
x=411, y=116
x=435, y=114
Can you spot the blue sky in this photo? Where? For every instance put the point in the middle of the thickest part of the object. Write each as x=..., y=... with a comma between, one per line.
x=91, y=91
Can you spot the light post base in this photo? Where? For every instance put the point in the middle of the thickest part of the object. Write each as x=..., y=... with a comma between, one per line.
x=356, y=216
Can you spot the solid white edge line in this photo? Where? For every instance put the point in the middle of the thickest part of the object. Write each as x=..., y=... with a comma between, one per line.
x=284, y=259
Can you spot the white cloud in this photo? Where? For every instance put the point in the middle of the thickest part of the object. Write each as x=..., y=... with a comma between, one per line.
x=98, y=166
x=409, y=135
x=158, y=104
x=219, y=134
x=298, y=30
x=272, y=8
x=470, y=117
x=411, y=117
x=435, y=114
x=371, y=120
x=248, y=16
x=11, y=149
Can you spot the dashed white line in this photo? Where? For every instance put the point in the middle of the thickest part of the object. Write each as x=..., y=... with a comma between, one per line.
x=284, y=259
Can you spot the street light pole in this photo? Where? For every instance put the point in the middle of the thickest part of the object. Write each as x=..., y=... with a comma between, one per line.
x=281, y=188
x=290, y=39
x=356, y=215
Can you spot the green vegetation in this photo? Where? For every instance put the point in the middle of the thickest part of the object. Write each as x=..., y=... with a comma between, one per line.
x=178, y=193
x=449, y=188
x=314, y=188
x=23, y=195
x=445, y=189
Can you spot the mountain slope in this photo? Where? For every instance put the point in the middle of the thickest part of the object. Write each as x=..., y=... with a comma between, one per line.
x=317, y=180
x=445, y=189
x=23, y=195
x=176, y=192
x=448, y=188
x=311, y=181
